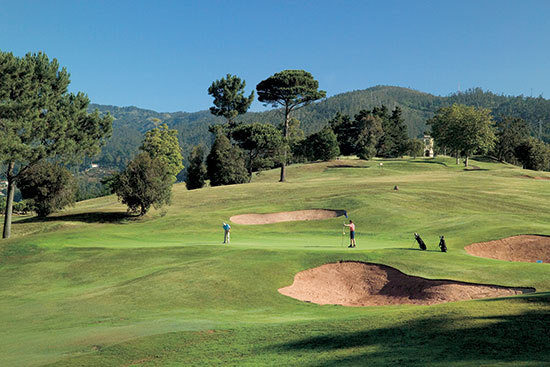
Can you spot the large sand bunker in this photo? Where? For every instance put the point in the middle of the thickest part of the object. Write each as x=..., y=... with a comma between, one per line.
x=314, y=214
x=525, y=248
x=352, y=283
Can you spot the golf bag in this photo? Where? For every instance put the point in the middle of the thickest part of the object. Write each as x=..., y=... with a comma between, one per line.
x=421, y=243
x=442, y=244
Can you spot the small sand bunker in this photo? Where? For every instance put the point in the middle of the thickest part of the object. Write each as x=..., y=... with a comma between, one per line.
x=536, y=177
x=315, y=214
x=352, y=283
x=525, y=248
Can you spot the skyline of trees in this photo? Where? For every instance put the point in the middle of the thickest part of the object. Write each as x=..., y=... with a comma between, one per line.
x=466, y=130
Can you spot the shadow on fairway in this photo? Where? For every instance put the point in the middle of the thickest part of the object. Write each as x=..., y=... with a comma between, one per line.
x=438, y=341
x=429, y=161
x=418, y=249
x=346, y=166
x=486, y=159
x=94, y=217
x=475, y=168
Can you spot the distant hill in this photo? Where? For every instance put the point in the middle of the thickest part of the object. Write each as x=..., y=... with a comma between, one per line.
x=131, y=122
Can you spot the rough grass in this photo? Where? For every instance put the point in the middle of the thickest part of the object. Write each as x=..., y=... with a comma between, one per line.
x=94, y=287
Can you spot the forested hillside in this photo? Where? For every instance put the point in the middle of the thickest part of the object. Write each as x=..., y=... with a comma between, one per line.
x=131, y=122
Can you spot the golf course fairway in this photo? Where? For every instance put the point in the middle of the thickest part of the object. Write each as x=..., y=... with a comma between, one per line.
x=91, y=286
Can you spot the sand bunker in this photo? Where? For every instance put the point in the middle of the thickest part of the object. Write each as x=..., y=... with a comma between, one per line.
x=352, y=283
x=536, y=177
x=315, y=214
x=525, y=248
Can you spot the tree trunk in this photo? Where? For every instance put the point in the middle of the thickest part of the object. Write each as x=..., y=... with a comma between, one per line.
x=466, y=161
x=285, y=138
x=9, y=201
x=457, y=158
x=283, y=169
x=250, y=166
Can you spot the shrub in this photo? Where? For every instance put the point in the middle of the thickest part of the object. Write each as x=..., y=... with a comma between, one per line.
x=47, y=187
x=144, y=183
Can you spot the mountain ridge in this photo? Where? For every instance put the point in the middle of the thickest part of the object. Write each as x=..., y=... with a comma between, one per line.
x=131, y=122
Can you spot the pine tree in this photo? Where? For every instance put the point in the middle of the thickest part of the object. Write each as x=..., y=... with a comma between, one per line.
x=346, y=133
x=225, y=163
x=398, y=134
x=196, y=171
x=41, y=120
x=290, y=89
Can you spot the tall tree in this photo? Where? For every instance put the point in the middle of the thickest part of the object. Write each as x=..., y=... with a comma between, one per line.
x=511, y=132
x=464, y=129
x=263, y=144
x=345, y=133
x=225, y=163
x=162, y=143
x=368, y=127
x=39, y=119
x=395, y=135
x=196, y=171
x=289, y=89
x=229, y=98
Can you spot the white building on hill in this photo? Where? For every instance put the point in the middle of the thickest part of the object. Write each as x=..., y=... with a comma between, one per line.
x=428, y=146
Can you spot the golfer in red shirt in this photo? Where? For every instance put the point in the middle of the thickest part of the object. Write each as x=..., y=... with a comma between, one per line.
x=351, y=233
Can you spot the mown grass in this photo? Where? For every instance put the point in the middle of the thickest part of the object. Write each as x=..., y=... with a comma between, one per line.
x=94, y=287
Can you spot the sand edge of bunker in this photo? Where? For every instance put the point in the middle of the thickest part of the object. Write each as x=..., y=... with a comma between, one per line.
x=356, y=283
x=296, y=215
x=521, y=248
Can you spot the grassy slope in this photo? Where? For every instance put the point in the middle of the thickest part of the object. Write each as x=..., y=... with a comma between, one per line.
x=93, y=288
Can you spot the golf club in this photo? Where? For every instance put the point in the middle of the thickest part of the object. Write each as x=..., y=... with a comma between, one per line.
x=343, y=234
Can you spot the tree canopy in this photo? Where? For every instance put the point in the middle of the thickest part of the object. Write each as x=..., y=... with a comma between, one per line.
x=511, y=133
x=263, y=144
x=320, y=146
x=145, y=182
x=39, y=119
x=47, y=187
x=196, y=170
x=229, y=98
x=162, y=143
x=368, y=127
x=464, y=129
x=289, y=89
x=225, y=163
x=534, y=154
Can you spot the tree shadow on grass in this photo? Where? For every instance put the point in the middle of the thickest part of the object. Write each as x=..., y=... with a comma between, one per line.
x=486, y=159
x=475, y=168
x=92, y=217
x=429, y=161
x=346, y=166
x=416, y=248
x=438, y=341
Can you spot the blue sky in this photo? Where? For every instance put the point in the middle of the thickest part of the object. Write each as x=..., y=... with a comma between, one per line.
x=163, y=55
